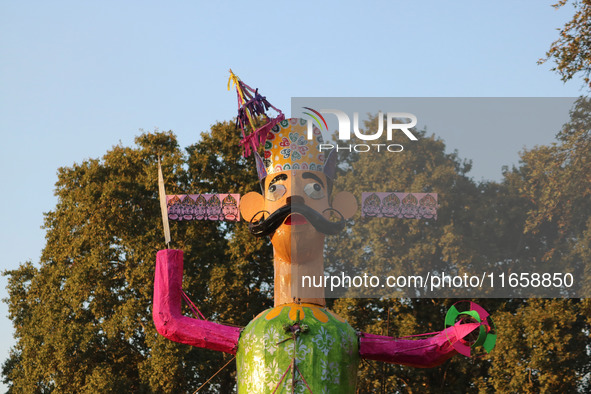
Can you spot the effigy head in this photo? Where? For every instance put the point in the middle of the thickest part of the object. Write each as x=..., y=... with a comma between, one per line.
x=187, y=206
x=371, y=205
x=296, y=179
x=390, y=206
x=214, y=207
x=229, y=208
x=200, y=207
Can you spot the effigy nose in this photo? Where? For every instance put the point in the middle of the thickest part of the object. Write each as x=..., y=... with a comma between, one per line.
x=295, y=200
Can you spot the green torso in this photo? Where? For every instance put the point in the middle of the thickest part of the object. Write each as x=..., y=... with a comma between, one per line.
x=325, y=352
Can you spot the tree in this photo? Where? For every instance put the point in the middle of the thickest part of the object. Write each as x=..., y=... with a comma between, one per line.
x=543, y=348
x=411, y=247
x=82, y=316
x=557, y=180
x=547, y=347
x=540, y=212
x=572, y=50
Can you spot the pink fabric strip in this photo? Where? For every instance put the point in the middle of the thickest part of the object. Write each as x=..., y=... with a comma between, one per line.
x=420, y=353
x=169, y=320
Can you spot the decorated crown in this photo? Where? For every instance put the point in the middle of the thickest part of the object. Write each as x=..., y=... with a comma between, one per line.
x=287, y=148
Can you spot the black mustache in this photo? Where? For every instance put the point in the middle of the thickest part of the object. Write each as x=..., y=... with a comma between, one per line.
x=320, y=223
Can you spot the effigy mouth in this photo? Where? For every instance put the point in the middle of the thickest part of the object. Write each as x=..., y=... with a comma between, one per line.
x=296, y=212
x=295, y=219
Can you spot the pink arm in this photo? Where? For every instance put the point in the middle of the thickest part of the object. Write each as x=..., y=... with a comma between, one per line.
x=169, y=320
x=420, y=353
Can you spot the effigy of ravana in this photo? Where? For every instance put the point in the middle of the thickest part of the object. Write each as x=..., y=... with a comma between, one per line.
x=299, y=345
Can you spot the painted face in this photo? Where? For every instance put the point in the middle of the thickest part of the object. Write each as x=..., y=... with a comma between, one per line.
x=187, y=205
x=230, y=212
x=174, y=209
x=428, y=207
x=300, y=187
x=372, y=205
x=229, y=208
x=298, y=202
x=409, y=206
x=391, y=206
x=200, y=208
x=213, y=208
x=294, y=208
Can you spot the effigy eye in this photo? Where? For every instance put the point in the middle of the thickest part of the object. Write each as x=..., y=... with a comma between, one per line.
x=275, y=192
x=314, y=190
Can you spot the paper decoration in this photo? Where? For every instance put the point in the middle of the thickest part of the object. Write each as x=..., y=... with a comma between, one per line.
x=203, y=207
x=399, y=205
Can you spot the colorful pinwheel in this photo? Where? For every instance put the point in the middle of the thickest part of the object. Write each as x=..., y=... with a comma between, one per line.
x=465, y=312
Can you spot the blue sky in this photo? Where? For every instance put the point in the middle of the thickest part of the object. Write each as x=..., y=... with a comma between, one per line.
x=77, y=77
